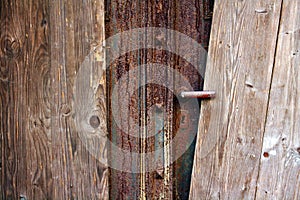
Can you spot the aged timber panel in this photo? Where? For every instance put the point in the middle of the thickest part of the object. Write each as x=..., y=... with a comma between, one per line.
x=239, y=68
x=42, y=47
x=25, y=115
x=279, y=175
x=77, y=27
x=171, y=182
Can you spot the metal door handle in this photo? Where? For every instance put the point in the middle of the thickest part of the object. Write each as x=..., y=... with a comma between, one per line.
x=198, y=94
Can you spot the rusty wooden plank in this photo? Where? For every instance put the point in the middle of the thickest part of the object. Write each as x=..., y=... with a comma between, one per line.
x=239, y=69
x=25, y=100
x=280, y=160
x=77, y=27
x=119, y=16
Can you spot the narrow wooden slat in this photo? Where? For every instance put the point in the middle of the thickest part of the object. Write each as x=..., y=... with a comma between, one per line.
x=239, y=69
x=77, y=27
x=279, y=174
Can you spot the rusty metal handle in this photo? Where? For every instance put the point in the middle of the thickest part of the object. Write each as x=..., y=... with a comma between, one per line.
x=198, y=94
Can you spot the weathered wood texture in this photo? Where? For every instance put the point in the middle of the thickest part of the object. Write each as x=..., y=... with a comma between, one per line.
x=25, y=100
x=76, y=28
x=279, y=174
x=43, y=44
x=231, y=129
x=186, y=16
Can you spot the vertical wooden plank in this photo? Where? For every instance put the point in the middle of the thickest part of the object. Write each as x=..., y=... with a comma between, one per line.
x=240, y=63
x=279, y=175
x=120, y=16
x=25, y=100
x=42, y=152
x=196, y=24
x=77, y=27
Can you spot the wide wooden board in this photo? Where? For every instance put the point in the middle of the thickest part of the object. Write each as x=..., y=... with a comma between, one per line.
x=231, y=128
x=43, y=45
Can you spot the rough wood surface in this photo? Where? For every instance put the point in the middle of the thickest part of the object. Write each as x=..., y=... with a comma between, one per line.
x=76, y=28
x=25, y=100
x=279, y=173
x=171, y=182
x=43, y=44
x=231, y=128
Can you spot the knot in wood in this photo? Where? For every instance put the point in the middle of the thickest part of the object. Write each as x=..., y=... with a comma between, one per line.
x=298, y=150
x=94, y=121
x=11, y=48
x=65, y=109
x=44, y=22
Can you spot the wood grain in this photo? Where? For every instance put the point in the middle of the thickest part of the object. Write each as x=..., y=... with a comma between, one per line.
x=231, y=128
x=279, y=173
x=42, y=46
x=76, y=29
x=126, y=15
x=25, y=100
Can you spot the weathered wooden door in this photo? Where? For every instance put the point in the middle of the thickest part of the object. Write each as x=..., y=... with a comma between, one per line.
x=145, y=113
x=55, y=98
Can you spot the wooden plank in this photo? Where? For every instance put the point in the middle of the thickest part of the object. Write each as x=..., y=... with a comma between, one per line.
x=240, y=64
x=77, y=27
x=42, y=46
x=144, y=184
x=25, y=100
x=279, y=174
